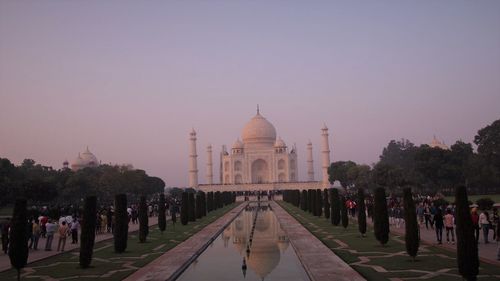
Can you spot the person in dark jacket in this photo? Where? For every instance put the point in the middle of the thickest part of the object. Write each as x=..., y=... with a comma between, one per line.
x=438, y=224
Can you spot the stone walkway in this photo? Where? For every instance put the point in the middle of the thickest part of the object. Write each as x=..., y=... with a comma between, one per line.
x=40, y=254
x=171, y=264
x=319, y=261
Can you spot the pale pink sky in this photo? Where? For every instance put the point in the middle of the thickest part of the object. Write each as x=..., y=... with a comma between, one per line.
x=131, y=78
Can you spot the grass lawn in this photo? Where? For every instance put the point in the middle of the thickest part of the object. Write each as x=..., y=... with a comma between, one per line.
x=473, y=198
x=376, y=262
x=106, y=264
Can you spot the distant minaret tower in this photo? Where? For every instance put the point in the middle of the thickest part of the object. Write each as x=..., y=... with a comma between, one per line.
x=222, y=153
x=325, y=152
x=310, y=166
x=193, y=166
x=210, y=172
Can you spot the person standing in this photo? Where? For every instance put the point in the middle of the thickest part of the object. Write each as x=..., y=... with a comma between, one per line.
x=438, y=224
x=74, y=231
x=448, y=224
x=427, y=216
x=475, y=223
x=494, y=222
x=50, y=229
x=35, y=235
x=484, y=221
x=63, y=233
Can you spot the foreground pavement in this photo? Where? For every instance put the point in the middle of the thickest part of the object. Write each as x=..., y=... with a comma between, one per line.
x=320, y=263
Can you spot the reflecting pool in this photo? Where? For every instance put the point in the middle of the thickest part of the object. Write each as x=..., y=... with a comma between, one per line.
x=252, y=247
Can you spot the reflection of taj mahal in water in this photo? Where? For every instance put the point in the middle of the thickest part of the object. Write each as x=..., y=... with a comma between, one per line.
x=268, y=243
x=259, y=161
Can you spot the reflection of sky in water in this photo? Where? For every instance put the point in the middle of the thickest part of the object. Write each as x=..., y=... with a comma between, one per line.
x=270, y=257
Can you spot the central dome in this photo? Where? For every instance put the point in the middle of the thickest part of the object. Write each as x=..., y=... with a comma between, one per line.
x=259, y=131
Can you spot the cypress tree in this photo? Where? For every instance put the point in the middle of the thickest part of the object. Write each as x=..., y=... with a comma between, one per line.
x=303, y=200
x=345, y=217
x=411, y=226
x=335, y=216
x=313, y=210
x=210, y=201
x=143, y=220
x=467, y=252
x=18, y=247
x=191, y=208
x=162, y=219
x=87, y=237
x=120, y=231
x=319, y=203
x=380, y=216
x=173, y=215
x=184, y=208
x=203, y=203
x=326, y=204
x=199, y=206
x=361, y=212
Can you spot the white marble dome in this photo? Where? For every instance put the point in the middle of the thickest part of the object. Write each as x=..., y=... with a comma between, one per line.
x=259, y=131
x=237, y=144
x=84, y=160
x=279, y=143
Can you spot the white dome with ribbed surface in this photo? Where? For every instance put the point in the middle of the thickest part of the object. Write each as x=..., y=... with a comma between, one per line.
x=259, y=131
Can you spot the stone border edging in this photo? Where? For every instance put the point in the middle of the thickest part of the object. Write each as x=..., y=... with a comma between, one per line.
x=320, y=263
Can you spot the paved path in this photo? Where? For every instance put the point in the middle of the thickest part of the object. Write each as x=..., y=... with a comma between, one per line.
x=40, y=254
x=320, y=263
x=173, y=262
x=487, y=252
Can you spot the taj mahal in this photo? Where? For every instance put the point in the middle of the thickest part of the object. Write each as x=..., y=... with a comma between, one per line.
x=259, y=161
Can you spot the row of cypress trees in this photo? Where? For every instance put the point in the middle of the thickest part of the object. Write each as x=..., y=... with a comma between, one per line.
x=467, y=250
x=197, y=205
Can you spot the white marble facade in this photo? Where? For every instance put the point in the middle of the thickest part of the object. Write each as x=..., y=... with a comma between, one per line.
x=259, y=158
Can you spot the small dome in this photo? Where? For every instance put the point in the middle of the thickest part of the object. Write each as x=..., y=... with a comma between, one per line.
x=259, y=131
x=237, y=144
x=279, y=143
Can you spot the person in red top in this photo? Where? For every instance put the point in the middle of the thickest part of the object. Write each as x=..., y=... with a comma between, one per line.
x=475, y=223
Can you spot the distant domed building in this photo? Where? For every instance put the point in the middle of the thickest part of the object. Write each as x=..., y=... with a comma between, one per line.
x=84, y=160
x=439, y=144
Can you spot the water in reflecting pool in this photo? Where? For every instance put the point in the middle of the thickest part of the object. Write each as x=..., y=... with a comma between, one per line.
x=270, y=257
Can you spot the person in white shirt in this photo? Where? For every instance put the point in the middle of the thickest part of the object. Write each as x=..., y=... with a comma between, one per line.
x=484, y=222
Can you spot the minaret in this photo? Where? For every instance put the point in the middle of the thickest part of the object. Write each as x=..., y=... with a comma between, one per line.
x=210, y=172
x=325, y=152
x=193, y=166
x=310, y=167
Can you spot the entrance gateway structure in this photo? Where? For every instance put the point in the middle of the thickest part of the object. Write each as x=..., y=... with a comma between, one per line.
x=260, y=161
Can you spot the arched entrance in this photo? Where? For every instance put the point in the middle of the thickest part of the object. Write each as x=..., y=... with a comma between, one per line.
x=260, y=171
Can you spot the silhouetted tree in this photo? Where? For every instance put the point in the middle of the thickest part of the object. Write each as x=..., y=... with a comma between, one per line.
x=87, y=236
x=345, y=217
x=120, y=231
x=467, y=255
x=191, y=207
x=326, y=204
x=380, y=216
x=319, y=203
x=143, y=220
x=303, y=200
x=162, y=219
x=334, y=198
x=361, y=212
x=184, y=209
x=18, y=247
x=411, y=225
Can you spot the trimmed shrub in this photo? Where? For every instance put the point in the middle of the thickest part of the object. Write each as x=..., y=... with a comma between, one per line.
x=199, y=207
x=467, y=253
x=184, y=208
x=143, y=220
x=361, y=212
x=319, y=203
x=334, y=198
x=162, y=219
x=326, y=204
x=87, y=237
x=120, y=231
x=191, y=207
x=380, y=216
x=303, y=200
x=310, y=200
x=411, y=226
x=345, y=215
x=18, y=247
x=210, y=201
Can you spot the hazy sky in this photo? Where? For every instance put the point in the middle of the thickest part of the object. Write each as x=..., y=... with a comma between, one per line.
x=130, y=79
